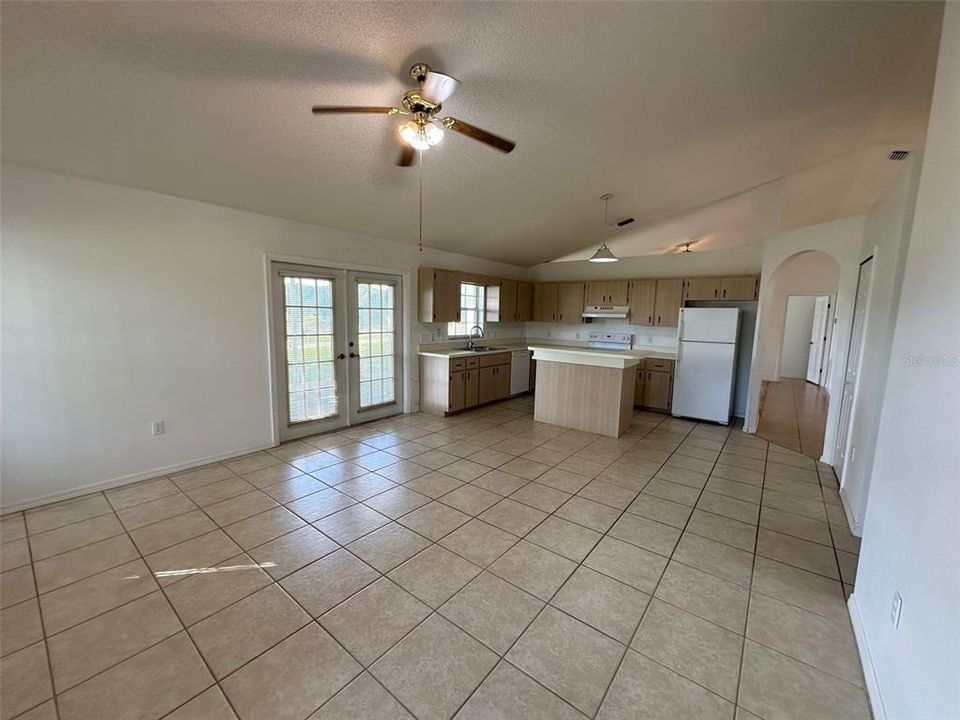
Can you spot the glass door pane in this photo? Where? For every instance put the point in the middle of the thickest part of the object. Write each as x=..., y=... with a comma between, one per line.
x=310, y=365
x=375, y=374
x=311, y=379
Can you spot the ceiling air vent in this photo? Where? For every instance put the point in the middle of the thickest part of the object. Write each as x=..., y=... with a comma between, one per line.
x=898, y=155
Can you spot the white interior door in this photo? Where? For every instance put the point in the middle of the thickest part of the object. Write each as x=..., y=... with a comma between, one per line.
x=818, y=340
x=337, y=347
x=854, y=355
x=375, y=346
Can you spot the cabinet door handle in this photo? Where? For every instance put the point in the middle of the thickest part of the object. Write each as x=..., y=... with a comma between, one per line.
x=724, y=292
x=715, y=291
x=649, y=319
x=658, y=319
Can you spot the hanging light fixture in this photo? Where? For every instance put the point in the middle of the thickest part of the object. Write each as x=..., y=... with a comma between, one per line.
x=603, y=253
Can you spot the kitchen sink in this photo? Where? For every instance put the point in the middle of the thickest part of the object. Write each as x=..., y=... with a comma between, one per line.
x=483, y=348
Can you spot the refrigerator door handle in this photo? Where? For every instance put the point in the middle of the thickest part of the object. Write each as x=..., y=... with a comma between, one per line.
x=679, y=352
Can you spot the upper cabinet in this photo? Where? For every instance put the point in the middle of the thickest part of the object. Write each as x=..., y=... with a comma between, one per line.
x=570, y=302
x=643, y=298
x=524, y=302
x=545, y=302
x=509, y=301
x=742, y=287
x=651, y=302
x=669, y=300
x=745, y=287
x=614, y=292
x=703, y=289
x=438, y=295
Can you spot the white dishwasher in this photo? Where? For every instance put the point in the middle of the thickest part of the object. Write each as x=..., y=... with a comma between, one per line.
x=519, y=371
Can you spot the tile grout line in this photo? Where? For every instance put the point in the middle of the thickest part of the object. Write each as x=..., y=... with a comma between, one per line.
x=753, y=571
x=619, y=456
x=653, y=593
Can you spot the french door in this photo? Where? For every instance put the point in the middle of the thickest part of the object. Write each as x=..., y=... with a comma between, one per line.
x=337, y=347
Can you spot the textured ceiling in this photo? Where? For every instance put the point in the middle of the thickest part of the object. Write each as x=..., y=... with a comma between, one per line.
x=670, y=106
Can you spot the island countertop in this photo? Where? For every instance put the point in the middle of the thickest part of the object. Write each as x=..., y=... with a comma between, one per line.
x=585, y=356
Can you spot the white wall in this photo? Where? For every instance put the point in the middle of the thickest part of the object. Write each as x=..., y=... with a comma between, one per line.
x=797, y=328
x=911, y=541
x=885, y=236
x=120, y=306
x=806, y=272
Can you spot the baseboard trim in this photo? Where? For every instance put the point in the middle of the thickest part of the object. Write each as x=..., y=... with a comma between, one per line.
x=866, y=659
x=852, y=523
x=127, y=479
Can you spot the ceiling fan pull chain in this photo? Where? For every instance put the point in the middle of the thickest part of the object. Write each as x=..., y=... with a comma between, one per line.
x=420, y=182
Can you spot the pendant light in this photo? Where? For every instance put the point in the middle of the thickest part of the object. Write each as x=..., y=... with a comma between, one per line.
x=603, y=253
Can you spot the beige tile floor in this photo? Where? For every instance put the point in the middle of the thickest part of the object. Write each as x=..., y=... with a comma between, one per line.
x=480, y=566
x=793, y=414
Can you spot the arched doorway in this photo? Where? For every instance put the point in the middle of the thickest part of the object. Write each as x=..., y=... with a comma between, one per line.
x=799, y=304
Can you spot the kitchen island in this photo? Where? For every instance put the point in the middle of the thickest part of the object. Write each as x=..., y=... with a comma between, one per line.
x=584, y=389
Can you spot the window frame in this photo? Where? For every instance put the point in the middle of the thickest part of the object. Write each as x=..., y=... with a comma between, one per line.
x=480, y=293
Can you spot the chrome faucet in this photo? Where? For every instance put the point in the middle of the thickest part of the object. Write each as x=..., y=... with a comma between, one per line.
x=470, y=341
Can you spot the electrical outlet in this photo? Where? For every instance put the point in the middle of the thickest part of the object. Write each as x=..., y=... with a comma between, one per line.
x=895, y=609
x=156, y=427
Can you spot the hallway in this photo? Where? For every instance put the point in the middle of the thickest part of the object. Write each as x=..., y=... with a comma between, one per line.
x=793, y=414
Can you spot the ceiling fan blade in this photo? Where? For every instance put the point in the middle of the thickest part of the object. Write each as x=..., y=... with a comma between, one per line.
x=340, y=109
x=406, y=156
x=437, y=87
x=472, y=131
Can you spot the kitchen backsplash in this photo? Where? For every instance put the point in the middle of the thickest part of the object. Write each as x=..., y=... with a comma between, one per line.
x=643, y=336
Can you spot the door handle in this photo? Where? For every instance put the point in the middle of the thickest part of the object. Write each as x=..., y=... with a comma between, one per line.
x=341, y=356
x=354, y=355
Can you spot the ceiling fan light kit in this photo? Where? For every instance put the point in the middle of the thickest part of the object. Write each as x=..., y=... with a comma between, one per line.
x=425, y=129
x=421, y=135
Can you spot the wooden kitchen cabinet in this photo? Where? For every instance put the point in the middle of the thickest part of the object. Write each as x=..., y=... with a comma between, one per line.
x=494, y=377
x=471, y=388
x=639, y=385
x=739, y=288
x=449, y=385
x=438, y=295
x=570, y=302
x=668, y=301
x=545, y=302
x=524, y=302
x=613, y=292
x=456, y=394
x=657, y=390
x=703, y=289
x=501, y=301
x=643, y=299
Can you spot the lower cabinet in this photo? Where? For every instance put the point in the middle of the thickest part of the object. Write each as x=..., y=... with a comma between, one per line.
x=494, y=383
x=658, y=390
x=456, y=392
x=449, y=385
x=654, y=386
x=471, y=387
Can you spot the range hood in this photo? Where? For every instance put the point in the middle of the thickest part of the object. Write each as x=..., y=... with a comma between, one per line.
x=606, y=311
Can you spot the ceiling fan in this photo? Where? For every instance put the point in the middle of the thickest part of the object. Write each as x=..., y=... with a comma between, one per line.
x=424, y=130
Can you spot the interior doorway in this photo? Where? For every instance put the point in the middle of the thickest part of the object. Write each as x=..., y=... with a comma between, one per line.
x=805, y=348
x=337, y=347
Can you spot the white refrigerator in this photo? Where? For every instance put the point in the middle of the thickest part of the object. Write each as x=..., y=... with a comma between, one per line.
x=705, y=375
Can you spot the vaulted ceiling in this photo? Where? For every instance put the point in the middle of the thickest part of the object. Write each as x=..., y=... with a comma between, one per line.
x=671, y=106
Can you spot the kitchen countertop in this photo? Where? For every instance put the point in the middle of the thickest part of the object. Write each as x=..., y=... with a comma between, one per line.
x=586, y=356
x=638, y=353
